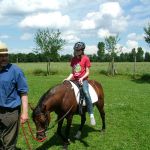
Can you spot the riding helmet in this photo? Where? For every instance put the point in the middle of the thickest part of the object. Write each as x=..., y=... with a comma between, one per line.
x=79, y=46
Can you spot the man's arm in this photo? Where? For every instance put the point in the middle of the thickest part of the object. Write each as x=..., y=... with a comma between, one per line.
x=24, y=113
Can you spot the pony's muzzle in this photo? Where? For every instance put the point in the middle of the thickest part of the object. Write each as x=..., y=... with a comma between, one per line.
x=41, y=135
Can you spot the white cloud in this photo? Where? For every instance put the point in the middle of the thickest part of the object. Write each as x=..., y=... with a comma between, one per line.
x=111, y=8
x=54, y=20
x=98, y=19
x=70, y=37
x=110, y=17
x=68, y=49
x=26, y=36
x=113, y=14
x=15, y=6
x=134, y=36
x=91, y=49
x=22, y=50
x=88, y=24
x=102, y=33
x=132, y=44
x=119, y=24
x=126, y=50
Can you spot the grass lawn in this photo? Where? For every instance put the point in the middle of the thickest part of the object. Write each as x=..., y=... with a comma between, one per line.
x=127, y=108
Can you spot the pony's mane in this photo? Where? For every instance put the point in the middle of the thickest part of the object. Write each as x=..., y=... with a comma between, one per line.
x=46, y=95
x=49, y=92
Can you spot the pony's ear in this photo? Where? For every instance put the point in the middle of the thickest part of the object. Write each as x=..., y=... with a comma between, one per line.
x=30, y=105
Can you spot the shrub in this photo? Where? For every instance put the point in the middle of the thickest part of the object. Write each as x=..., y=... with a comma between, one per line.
x=40, y=72
x=145, y=77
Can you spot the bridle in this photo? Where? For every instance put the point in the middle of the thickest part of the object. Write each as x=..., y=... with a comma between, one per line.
x=40, y=131
x=26, y=139
x=46, y=123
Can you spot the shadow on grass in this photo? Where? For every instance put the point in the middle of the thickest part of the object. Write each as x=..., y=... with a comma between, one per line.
x=18, y=148
x=145, y=78
x=55, y=140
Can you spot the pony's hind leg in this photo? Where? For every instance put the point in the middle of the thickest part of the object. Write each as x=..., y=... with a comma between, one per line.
x=100, y=107
x=83, y=120
x=102, y=113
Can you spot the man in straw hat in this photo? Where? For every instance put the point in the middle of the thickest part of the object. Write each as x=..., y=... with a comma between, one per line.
x=13, y=94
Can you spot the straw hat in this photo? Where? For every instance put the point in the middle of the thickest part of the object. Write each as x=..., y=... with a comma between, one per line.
x=3, y=49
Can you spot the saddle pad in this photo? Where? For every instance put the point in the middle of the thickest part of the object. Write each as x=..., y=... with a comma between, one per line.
x=92, y=92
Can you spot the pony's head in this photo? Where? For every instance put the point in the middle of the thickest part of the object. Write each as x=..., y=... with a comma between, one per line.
x=41, y=119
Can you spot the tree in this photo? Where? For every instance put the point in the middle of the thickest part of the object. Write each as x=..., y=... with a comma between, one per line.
x=49, y=43
x=124, y=57
x=139, y=54
x=147, y=57
x=147, y=34
x=134, y=54
x=101, y=50
x=66, y=58
x=110, y=44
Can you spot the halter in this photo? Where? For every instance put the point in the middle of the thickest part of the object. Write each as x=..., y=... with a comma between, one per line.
x=46, y=123
x=40, y=131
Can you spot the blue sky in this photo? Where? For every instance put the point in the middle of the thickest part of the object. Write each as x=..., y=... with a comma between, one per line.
x=89, y=21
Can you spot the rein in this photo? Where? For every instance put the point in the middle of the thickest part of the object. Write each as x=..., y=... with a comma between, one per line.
x=26, y=139
x=29, y=127
x=39, y=131
x=33, y=134
x=57, y=121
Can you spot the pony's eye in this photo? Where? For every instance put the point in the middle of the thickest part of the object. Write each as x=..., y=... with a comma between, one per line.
x=42, y=118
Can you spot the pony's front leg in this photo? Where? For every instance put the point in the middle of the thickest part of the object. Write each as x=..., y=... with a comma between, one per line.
x=67, y=129
x=59, y=128
x=83, y=120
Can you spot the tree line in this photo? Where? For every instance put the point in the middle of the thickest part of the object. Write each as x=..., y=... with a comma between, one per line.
x=99, y=57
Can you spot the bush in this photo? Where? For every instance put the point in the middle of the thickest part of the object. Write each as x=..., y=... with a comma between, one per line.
x=145, y=77
x=39, y=72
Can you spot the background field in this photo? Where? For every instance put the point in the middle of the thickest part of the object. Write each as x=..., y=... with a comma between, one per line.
x=127, y=107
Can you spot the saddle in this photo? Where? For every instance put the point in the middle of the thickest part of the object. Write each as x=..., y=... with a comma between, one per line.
x=80, y=97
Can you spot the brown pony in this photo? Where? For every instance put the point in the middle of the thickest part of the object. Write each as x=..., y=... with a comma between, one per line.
x=61, y=99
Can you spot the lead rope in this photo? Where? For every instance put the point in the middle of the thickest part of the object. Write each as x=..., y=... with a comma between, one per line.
x=26, y=139
x=33, y=134
x=29, y=127
x=25, y=136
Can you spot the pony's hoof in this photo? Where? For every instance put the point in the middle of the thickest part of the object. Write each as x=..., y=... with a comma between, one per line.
x=65, y=147
x=102, y=130
x=78, y=135
x=67, y=142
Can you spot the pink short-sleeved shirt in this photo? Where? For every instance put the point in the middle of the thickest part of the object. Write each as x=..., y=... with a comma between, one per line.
x=79, y=66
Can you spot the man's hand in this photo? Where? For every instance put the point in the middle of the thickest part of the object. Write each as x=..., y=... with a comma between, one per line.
x=24, y=118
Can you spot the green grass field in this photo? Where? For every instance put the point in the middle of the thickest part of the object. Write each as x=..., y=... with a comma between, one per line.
x=127, y=108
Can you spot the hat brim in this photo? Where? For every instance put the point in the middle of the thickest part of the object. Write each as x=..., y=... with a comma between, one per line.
x=3, y=53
